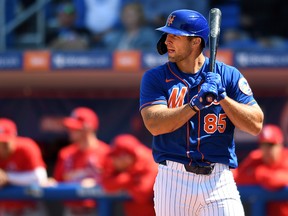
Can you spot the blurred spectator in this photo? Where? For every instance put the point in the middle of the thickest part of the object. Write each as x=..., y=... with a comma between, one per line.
x=130, y=167
x=237, y=38
x=231, y=34
x=99, y=16
x=80, y=161
x=157, y=11
x=134, y=34
x=254, y=17
x=259, y=21
x=21, y=164
x=267, y=167
x=66, y=35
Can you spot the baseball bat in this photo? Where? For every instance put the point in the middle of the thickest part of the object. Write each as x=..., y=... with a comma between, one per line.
x=214, y=23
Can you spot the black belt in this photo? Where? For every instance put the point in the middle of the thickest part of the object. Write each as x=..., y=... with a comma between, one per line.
x=199, y=170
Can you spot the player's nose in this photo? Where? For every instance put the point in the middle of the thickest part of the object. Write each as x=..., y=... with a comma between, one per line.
x=168, y=42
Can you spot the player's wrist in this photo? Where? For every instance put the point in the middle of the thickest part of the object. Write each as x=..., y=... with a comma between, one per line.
x=194, y=108
x=195, y=104
x=221, y=94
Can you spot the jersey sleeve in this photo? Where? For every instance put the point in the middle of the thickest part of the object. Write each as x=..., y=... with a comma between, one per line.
x=151, y=88
x=59, y=167
x=272, y=178
x=31, y=153
x=245, y=173
x=143, y=175
x=237, y=87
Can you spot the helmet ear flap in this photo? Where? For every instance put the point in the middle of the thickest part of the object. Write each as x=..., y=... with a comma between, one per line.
x=161, y=47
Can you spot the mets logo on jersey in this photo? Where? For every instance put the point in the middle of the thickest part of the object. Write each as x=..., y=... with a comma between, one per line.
x=177, y=96
x=170, y=20
x=244, y=86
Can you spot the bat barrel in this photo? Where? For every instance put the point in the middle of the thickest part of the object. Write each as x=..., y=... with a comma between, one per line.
x=214, y=23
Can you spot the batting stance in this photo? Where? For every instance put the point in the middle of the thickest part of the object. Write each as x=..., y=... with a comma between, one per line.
x=192, y=139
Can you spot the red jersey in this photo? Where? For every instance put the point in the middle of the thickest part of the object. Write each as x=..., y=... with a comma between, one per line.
x=75, y=164
x=137, y=180
x=252, y=171
x=26, y=157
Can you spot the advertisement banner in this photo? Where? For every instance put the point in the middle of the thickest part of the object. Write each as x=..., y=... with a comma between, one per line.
x=127, y=61
x=81, y=60
x=11, y=60
x=36, y=61
x=153, y=59
x=245, y=59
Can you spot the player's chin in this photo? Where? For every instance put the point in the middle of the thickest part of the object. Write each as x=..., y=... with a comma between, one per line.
x=171, y=59
x=171, y=56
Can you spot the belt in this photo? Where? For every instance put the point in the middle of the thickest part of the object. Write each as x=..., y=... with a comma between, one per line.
x=199, y=170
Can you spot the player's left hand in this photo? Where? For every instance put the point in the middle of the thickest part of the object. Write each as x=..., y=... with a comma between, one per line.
x=216, y=78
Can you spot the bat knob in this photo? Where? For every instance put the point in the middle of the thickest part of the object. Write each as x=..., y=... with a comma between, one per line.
x=209, y=98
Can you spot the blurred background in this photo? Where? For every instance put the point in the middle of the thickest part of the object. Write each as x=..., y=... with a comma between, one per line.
x=57, y=55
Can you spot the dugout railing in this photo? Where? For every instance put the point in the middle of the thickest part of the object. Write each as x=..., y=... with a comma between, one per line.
x=255, y=196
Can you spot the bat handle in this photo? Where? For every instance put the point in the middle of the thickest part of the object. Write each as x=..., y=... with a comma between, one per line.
x=209, y=97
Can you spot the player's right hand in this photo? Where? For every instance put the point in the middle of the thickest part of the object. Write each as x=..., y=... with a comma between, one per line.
x=199, y=101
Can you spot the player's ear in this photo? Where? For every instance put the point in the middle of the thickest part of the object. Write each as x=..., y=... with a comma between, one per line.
x=196, y=40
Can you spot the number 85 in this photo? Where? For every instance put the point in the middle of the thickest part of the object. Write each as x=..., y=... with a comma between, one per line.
x=213, y=123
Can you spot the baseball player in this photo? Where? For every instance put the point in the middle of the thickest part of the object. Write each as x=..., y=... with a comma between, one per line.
x=129, y=166
x=81, y=161
x=192, y=139
x=21, y=164
x=267, y=166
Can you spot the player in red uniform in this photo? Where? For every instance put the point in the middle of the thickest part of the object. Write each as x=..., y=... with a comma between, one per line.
x=267, y=167
x=130, y=167
x=81, y=160
x=21, y=164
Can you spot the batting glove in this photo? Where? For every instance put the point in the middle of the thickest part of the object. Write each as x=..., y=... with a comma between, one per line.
x=216, y=78
x=198, y=102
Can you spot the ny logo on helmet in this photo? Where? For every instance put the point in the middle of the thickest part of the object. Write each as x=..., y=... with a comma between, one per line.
x=170, y=20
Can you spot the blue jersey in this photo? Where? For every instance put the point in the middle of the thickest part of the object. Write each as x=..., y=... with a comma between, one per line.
x=208, y=137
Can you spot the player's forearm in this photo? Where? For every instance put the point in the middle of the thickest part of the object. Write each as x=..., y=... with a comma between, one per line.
x=245, y=117
x=116, y=182
x=159, y=119
x=37, y=176
x=271, y=177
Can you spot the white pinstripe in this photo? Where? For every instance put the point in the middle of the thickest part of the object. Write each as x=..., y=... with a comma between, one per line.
x=180, y=193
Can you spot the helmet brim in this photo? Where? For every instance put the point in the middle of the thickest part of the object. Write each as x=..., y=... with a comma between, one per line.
x=174, y=31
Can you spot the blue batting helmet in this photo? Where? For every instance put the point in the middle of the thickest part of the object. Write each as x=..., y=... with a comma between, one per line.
x=186, y=23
